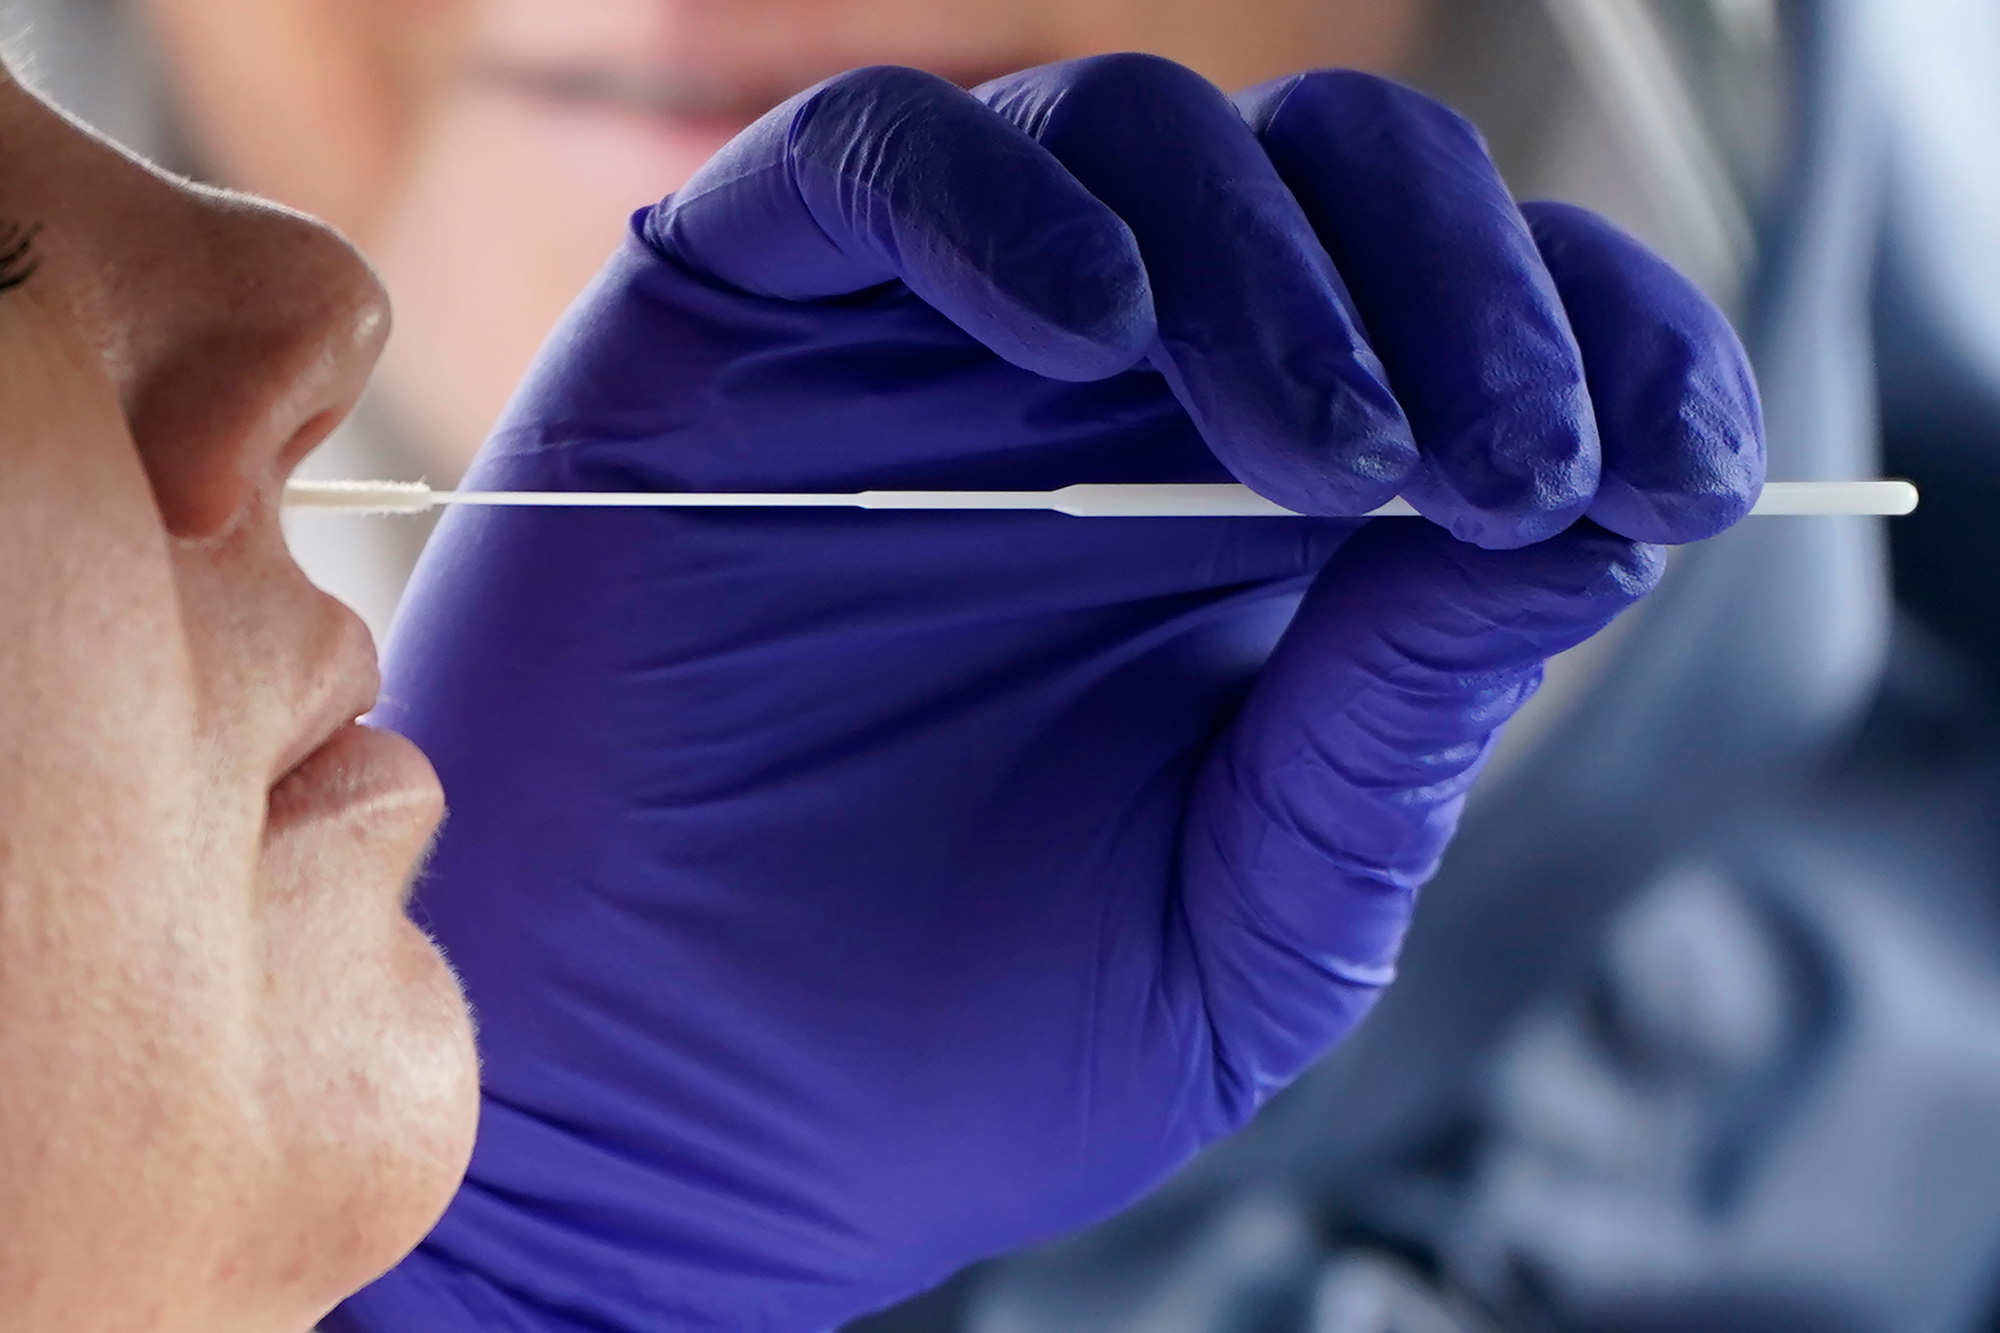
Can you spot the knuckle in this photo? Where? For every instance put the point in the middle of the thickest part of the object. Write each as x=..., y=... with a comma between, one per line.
x=1559, y=228
x=898, y=93
x=1137, y=74
x=1348, y=98
x=896, y=79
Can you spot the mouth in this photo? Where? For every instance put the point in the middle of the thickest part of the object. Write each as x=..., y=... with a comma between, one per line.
x=653, y=96
x=344, y=687
x=335, y=766
x=359, y=770
x=685, y=96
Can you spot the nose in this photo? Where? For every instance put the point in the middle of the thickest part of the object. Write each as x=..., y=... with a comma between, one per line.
x=250, y=331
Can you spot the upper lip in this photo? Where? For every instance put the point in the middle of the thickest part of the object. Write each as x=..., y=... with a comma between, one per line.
x=345, y=686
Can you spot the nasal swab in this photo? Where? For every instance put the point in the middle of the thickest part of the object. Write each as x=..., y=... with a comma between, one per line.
x=1146, y=500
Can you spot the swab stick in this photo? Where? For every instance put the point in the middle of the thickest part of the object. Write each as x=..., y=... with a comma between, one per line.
x=1877, y=498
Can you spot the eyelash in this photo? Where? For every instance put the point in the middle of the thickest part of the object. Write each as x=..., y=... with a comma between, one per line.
x=17, y=255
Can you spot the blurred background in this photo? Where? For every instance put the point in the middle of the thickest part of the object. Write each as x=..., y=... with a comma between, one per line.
x=1700, y=1026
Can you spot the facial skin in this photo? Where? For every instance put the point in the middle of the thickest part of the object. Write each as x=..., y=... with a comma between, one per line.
x=486, y=153
x=235, y=1083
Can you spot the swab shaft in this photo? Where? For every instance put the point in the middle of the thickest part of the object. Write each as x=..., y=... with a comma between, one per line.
x=1857, y=498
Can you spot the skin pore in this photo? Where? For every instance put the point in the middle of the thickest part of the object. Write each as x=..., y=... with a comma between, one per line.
x=486, y=153
x=235, y=1082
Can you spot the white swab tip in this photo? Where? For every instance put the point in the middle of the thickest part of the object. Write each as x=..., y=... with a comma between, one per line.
x=360, y=497
x=1880, y=499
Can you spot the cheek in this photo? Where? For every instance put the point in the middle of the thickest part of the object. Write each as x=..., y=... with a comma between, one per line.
x=255, y=78
x=505, y=185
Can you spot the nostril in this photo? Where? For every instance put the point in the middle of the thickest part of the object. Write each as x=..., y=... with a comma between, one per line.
x=311, y=434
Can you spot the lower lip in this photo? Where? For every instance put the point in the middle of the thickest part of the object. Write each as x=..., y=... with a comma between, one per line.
x=358, y=771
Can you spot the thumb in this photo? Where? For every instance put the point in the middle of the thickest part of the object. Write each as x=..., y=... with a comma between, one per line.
x=1331, y=797
x=891, y=174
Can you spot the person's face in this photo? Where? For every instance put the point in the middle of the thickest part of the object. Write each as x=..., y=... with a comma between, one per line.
x=235, y=1082
x=487, y=153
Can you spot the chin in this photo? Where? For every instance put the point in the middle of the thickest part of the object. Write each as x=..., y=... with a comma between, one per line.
x=430, y=1083
x=396, y=1139
x=373, y=1087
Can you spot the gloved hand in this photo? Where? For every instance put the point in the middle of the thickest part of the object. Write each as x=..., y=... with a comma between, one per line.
x=844, y=896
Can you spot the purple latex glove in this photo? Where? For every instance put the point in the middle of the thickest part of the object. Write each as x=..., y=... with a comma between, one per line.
x=845, y=896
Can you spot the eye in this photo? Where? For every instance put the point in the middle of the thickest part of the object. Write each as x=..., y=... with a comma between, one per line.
x=17, y=254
